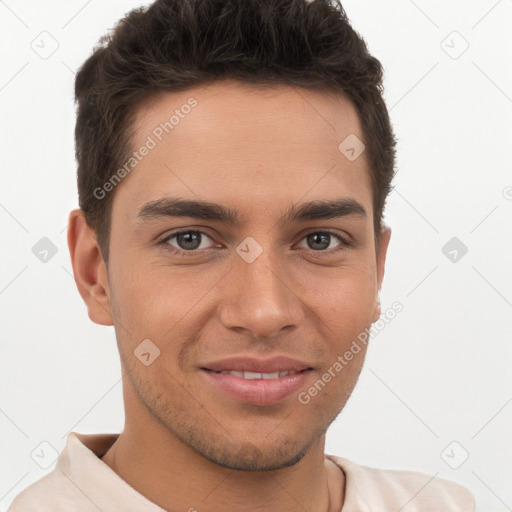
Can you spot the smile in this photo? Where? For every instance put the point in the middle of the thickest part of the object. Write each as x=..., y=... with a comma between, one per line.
x=256, y=388
x=257, y=375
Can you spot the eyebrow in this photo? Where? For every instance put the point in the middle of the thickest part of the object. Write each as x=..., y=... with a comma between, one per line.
x=204, y=210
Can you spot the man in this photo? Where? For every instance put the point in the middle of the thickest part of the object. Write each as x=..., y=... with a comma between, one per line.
x=234, y=159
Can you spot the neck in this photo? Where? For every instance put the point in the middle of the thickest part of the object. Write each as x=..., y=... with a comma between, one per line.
x=176, y=478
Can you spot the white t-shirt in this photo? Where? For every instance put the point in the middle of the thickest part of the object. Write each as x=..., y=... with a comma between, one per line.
x=82, y=482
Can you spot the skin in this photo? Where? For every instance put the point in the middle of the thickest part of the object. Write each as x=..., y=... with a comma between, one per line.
x=259, y=150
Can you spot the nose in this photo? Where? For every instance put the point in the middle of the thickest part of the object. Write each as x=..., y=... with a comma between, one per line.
x=260, y=299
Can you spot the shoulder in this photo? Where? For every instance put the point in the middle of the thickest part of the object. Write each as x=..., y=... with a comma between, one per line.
x=409, y=491
x=54, y=492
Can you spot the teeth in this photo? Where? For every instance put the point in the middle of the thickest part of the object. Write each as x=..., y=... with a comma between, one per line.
x=237, y=374
x=257, y=375
x=253, y=375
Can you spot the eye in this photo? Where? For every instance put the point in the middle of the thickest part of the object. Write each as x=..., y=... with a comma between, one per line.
x=319, y=241
x=186, y=241
x=192, y=242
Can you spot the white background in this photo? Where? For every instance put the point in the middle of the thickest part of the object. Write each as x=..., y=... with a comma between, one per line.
x=438, y=373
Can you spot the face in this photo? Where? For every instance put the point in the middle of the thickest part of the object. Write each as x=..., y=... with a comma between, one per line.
x=260, y=281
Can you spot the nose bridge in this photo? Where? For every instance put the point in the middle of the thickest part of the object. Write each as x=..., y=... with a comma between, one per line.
x=260, y=298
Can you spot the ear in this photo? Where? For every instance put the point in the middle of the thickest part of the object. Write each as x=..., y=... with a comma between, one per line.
x=89, y=269
x=381, y=252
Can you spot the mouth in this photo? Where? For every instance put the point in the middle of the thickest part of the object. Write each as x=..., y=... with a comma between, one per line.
x=248, y=375
x=255, y=381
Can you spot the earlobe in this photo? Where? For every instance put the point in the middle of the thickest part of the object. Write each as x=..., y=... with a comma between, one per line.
x=89, y=269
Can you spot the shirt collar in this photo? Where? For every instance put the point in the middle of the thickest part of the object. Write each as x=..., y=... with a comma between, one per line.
x=81, y=464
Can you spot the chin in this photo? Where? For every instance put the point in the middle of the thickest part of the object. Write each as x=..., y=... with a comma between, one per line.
x=249, y=457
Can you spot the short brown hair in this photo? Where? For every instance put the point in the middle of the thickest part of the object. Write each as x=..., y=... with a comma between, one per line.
x=173, y=45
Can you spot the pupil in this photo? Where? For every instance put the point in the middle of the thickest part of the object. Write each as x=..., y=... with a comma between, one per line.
x=325, y=236
x=187, y=238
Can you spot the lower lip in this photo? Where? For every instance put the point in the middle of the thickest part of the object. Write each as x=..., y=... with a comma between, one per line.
x=258, y=391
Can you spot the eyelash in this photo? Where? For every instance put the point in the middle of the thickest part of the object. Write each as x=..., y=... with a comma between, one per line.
x=345, y=244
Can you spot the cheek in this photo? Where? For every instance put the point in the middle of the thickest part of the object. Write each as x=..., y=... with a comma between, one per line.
x=345, y=299
x=164, y=305
x=152, y=299
x=154, y=295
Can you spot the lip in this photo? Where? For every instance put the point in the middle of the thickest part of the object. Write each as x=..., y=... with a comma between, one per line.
x=257, y=391
x=254, y=364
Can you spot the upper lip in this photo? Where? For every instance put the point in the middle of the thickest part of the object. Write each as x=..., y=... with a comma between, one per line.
x=255, y=364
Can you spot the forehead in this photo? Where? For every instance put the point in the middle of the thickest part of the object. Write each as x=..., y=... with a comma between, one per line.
x=228, y=141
